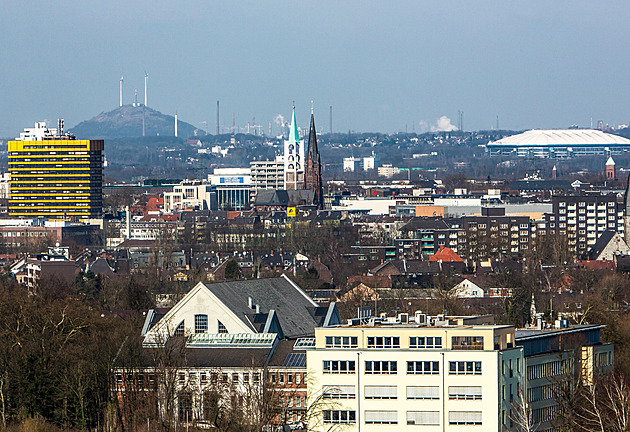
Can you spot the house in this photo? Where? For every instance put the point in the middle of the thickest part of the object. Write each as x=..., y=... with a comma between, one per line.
x=238, y=345
x=607, y=247
x=275, y=305
x=467, y=289
x=480, y=286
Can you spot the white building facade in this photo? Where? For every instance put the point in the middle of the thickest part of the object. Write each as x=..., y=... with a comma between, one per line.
x=429, y=378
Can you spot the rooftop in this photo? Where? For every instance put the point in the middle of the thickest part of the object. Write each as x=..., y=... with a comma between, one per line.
x=560, y=137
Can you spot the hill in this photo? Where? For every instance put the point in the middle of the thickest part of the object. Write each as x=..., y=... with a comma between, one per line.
x=126, y=121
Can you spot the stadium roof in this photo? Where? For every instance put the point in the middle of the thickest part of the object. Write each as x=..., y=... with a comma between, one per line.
x=561, y=138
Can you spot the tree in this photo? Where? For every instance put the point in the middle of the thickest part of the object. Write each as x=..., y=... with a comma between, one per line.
x=521, y=413
x=232, y=270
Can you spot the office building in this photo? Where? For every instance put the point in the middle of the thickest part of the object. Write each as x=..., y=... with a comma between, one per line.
x=267, y=174
x=55, y=175
x=445, y=373
x=441, y=375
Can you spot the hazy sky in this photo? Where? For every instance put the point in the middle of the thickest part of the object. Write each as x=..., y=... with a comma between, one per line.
x=383, y=65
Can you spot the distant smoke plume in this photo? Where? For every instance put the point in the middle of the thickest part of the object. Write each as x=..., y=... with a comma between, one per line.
x=443, y=125
x=279, y=120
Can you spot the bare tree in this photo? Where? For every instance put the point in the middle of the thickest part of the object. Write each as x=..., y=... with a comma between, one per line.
x=522, y=415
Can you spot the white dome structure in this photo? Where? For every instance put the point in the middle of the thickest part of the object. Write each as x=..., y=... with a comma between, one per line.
x=559, y=143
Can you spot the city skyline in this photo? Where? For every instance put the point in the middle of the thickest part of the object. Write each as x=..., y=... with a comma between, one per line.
x=383, y=68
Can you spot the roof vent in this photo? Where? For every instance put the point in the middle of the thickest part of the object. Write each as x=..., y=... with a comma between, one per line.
x=257, y=308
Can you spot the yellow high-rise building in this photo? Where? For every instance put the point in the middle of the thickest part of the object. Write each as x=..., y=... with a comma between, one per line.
x=54, y=175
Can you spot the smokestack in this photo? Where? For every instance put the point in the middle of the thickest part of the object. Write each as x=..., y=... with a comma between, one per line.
x=121, y=98
x=331, y=119
x=217, y=117
x=175, y=123
x=146, y=96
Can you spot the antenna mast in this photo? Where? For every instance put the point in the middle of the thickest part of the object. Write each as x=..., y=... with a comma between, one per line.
x=121, y=85
x=146, y=96
x=217, y=117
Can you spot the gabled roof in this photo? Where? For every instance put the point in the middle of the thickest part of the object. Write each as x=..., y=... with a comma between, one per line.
x=280, y=294
x=101, y=267
x=603, y=241
x=272, y=197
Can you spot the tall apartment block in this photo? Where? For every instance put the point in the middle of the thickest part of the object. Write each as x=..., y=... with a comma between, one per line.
x=55, y=175
x=443, y=373
x=583, y=219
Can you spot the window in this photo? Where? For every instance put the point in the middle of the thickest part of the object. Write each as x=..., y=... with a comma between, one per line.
x=201, y=323
x=383, y=342
x=339, y=392
x=179, y=330
x=341, y=342
x=464, y=393
x=423, y=392
x=380, y=367
x=339, y=416
x=464, y=417
x=425, y=342
x=184, y=405
x=256, y=377
x=423, y=367
x=380, y=392
x=222, y=328
x=339, y=366
x=464, y=368
x=381, y=417
x=423, y=418
x=467, y=343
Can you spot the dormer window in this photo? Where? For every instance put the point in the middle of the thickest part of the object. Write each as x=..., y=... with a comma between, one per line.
x=179, y=330
x=222, y=328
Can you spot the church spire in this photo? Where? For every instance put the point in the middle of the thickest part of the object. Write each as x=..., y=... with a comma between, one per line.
x=294, y=136
x=312, y=141
x=313, y=173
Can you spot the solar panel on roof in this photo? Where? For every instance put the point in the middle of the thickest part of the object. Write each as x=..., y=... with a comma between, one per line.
x=295, y=360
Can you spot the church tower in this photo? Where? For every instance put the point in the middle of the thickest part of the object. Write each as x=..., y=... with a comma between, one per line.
x=293, y=158
x=313, y=171
x=611, y=174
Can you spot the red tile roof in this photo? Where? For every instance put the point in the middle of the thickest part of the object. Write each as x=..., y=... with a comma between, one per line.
x=446, y=254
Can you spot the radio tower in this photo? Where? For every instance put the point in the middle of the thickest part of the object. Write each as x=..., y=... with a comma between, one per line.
x=146, y=96
x=217, y=117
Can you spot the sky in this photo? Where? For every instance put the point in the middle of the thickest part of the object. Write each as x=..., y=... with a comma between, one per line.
x=384, y=66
